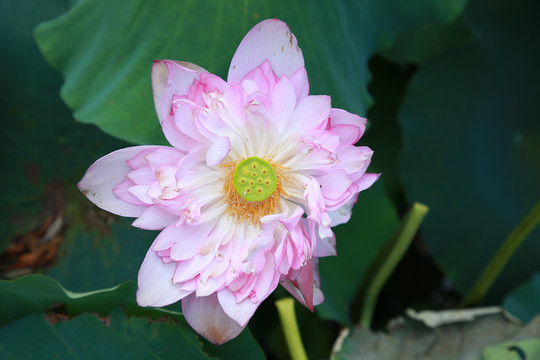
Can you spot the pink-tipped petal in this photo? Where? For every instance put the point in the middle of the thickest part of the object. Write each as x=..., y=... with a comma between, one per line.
x=269, y=40
x=170, y=78
x=218, y=151
x=155, y=218
x=104, y=175
x=205, y=315
x=155, y=282
x=349, y=126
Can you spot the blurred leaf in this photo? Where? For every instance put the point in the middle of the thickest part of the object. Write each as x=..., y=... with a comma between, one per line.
x=387, y=260
x=243, y=344
x=90, y=337
x=96, y=254
x=421, y=44
x=411, y=340
x=472, y=139
x=44, y=152
x=524, y=302
x=526, y=349
x=358, y=243
x=37, y=293
x=105, y=49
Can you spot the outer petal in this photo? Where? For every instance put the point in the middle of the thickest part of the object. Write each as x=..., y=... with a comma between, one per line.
x=343, y=214
x=104, y=175
x=205, y=315
x=169, y=78
x=155, y=282
x=269, y=40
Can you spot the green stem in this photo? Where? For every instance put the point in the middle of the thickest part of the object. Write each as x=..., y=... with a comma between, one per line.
x=290, y=328
x=388, y=259
x=499, y=261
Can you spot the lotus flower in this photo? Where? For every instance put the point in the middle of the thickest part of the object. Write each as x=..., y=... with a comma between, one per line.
x=258, y=173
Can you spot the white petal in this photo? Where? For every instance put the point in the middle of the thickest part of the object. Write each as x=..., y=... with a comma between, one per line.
x=218, y=151
x=103, y=176
x=155, y=282
x=269, y=40
x=206, y=316
x=240, y=312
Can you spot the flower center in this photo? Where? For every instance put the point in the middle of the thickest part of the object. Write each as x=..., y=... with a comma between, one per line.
x=253, y=188
x=255, y=179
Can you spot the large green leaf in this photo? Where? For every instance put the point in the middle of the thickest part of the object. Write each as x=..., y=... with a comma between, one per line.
x=101, y=254
x=88, y=337
x=472, y=139
x=524, y=301
x=44, y=152
x=37, y=293
x=104, y=49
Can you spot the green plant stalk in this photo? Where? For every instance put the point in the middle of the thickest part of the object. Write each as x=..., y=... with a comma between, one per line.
x=397, y=246
x=501, y=258
x=287, y=316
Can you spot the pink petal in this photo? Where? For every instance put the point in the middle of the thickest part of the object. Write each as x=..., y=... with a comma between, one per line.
x=310, y=113
x=205, y=315
x=182, y=234
x=170, y=78
x=349, y=127
x=175, y=137
x=283, y=102
x=301, y=84
x=334, y=184
x=262, y=79
x=155, y=218
x=354, y=159
x=269, y=40
x=218, y=151
x=367, y=180
x=122, y=191
x=104, y=175
x=240, y=312
x=302, y=286
x=155, y=282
